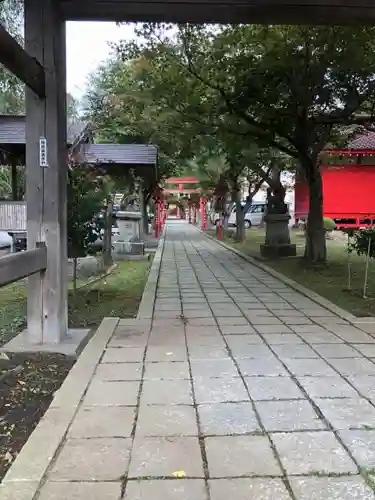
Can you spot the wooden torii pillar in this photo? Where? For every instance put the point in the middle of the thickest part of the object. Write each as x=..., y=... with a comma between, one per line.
x=47, y=186
x=41, y=66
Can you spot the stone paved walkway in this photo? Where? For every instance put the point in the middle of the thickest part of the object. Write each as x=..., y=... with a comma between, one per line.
x=243, y=390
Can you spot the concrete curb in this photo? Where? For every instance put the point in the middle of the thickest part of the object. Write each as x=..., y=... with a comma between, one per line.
x=318, y=299
x=146, y=307
x=23, y=479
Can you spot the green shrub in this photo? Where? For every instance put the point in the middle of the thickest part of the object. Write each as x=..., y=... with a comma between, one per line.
x=361, y=241
x=328, y=224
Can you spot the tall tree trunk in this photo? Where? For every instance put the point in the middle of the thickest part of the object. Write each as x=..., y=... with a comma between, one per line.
x=240, y=218
x=75, y=266
x=143, y=206
x=107, y=238
x=240, y=222
x=226, y=212
x=315, y=249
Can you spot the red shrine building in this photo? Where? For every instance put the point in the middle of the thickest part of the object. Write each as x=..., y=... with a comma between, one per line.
x=348, y=184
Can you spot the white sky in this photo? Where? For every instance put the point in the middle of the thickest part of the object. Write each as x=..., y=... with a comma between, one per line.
x=87, y=47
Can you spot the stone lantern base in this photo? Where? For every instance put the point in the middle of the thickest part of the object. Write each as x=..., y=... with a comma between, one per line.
x=277, y=242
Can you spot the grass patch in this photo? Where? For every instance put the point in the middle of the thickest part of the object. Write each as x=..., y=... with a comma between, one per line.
x=13, y=309
x=116, y=295
x=369, y=475
x=329, y=281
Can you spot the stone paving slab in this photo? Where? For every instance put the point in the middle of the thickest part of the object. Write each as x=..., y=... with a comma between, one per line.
x=18, y=490
x=194, y=489
x=321, y=488
x=163, y=456
x=167, y=392
x=112, y=393
x=261, y=367
x=166, y=353
x=116, y=372
x=118, y=355
x=296, y=415
x=207, y=352
x=237, y=456
x=80, y=491
x=218, y=390
x=315, y=453
x=166, y=370
x=92, y=460
x=213, y=368
x=349, y=414
x=327, y=387
x=222, y=419
x=177, y=420
x=248, y=489
x=92, y=422
x=361, y=444
x=309, y=367
x=273, y=388
x=238, y=387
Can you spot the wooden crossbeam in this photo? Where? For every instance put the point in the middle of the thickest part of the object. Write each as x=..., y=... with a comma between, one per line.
x=16, y=266
x=21, y=64
x=314, y=12
x=182, y=191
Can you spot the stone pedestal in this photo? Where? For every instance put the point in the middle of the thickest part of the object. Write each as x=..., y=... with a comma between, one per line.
x=130, y=231
x=277, y=242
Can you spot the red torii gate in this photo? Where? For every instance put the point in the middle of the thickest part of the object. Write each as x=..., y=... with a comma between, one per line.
x=181, y=181
x=160, y=212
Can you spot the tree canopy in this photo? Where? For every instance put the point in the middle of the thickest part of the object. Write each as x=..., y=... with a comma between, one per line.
x=12, y=91
x=241, y=92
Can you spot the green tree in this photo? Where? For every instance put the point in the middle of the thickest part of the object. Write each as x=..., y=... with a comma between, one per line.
x=10, y=190
x=188, y=113
x=288, y=88
x=12, y=91
x=123, y=113
x=87, y=191
x=207, y=169
x=291, y=87
x=72, y=107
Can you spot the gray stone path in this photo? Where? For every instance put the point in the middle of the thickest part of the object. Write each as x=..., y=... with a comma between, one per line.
x=242, y=390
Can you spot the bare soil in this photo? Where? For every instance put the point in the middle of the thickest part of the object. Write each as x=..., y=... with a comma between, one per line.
x=27, y=385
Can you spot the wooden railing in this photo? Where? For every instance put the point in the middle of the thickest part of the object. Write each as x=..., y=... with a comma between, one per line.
x=16, y=266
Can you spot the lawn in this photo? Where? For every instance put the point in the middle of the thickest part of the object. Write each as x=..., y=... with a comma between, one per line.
x=28, y=381
x=117, y=295
x=329, y=281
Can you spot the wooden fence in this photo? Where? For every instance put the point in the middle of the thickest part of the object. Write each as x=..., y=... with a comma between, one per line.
x=13, y=216
x=16, y=266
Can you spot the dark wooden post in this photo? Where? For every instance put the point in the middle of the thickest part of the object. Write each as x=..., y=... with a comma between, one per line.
x=14, y=175
x=143, y=209
x=46, y=186
x=107, y=237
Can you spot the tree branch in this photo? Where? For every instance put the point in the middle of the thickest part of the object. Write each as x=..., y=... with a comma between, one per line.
x=342, y=120
x=264, y=131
